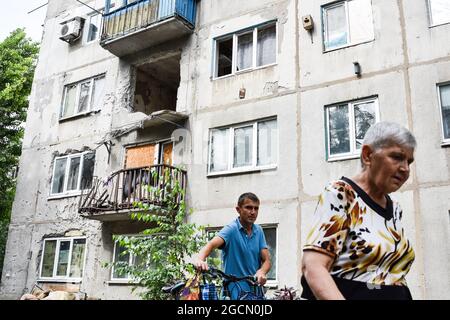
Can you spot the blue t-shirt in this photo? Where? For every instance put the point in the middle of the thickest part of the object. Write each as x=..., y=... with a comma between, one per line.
x=241, y=253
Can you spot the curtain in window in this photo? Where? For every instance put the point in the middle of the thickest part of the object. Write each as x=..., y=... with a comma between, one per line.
x=69, y=101
x=361, y=21
x=336, y=26
x=59, y=176
x=76, y=265
x=445, y=104
x=243, y=146
x=98, y=93
x=440, y=11
x=266, y=45
x=267, y=142
x=339, y=131
x=219, y=150
x=245, y=51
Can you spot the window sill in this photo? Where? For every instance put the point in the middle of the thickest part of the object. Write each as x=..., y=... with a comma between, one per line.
x=65, y=195
x=347, y=46
x=439, y=24
x=343, y=158
x=74, y=281
x=121, y=283
x=237, y=73
x=241, y=171
x=445, y=144
x=273, y=284
x=79, y=115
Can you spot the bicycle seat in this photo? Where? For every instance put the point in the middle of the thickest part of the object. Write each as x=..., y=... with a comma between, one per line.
x=174, y=288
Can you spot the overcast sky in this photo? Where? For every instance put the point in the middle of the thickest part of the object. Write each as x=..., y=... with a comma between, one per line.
x=13, y=15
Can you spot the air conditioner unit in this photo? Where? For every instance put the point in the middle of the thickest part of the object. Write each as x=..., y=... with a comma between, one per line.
x=71, y=30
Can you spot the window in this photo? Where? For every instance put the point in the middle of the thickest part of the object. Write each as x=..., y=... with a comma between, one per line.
x=127, y=259
x=439, y=11
x=246, y=50
x=347, y=124
x=63, y=258
x=243, y=147
x=444, y=102
x=270, y=233
x=83, y=97
x=73, y=173
x=93, y=27
x=347, y=23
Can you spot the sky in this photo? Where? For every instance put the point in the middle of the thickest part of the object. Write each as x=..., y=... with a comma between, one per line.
x=14, y=15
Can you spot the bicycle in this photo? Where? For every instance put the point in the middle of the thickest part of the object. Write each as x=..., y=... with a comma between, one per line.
x=230, y=285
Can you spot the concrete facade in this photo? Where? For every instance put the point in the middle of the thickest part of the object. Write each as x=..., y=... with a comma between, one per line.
x=401, y=66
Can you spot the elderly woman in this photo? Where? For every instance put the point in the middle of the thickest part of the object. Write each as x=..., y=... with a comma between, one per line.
x=357, y=248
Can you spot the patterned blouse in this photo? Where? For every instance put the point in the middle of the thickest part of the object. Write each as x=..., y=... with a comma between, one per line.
x=367, y=241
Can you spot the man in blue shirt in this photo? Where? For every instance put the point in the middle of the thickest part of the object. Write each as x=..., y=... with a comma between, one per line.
x=244, y=248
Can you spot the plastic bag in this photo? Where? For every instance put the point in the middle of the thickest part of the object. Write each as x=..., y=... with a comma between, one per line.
x=191, y=290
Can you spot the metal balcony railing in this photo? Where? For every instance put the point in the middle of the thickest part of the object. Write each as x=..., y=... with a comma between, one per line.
x=142, y=14
x=124, y=188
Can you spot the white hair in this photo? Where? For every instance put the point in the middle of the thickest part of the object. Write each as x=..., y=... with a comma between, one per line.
x=386, y=134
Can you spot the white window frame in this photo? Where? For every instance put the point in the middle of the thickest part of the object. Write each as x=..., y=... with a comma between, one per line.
x=272, y=282
x=445, y=141
x=430, y=15
x=66, y=174
x=325, y=28
x=66, y=278
x=131, y=260
x=87, y=29
x=90, y=107
x=235, y=36
x=254, y=166
x=354, y=152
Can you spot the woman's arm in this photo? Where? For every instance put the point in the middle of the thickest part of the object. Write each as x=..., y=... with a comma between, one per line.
x=315, y=268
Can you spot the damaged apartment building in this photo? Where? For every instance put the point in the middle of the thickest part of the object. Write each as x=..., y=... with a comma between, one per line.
x=268, y=96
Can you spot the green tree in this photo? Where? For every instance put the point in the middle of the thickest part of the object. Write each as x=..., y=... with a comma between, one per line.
x=18, y=55
x=161, y=250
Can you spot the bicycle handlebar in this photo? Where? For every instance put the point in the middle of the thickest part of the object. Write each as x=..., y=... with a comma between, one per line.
x=231, y=278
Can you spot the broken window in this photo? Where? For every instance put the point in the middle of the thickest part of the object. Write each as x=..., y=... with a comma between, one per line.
x=73, y=173
x=439, y=11
x=63, y=258
x=347, y=23
x=83, y=97
x=444, y=99
x=251, y=146
x=252, y=48
x=347, y=124
x=224, y=57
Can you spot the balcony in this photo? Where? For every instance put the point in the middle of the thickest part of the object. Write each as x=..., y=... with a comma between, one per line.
x=142, y=24
x=115, y=198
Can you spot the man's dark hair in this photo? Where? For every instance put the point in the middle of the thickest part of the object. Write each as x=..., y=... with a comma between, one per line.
x=247, y=195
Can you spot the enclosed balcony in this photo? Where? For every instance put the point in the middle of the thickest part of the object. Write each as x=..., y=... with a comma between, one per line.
x=116, y=197
x=130, y=26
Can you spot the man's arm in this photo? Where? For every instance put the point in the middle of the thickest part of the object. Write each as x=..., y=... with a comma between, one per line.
x=315, y=267
x=215, y=243
x=261, y=274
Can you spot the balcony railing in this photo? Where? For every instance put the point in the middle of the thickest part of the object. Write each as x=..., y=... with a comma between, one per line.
x=141, y=16
x=123, y=189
